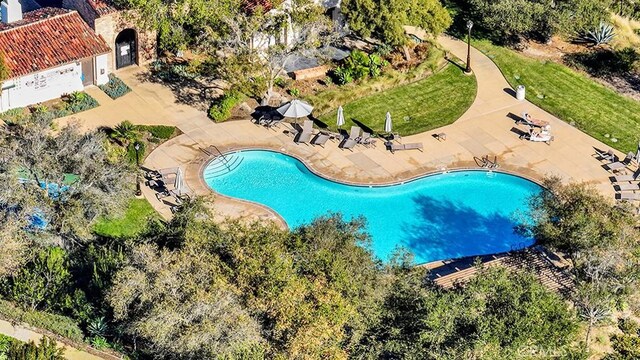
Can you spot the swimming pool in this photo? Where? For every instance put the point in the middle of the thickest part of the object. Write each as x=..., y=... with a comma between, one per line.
x=436, y=217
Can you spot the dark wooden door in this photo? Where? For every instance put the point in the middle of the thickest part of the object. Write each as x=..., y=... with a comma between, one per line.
x=87, y=72
x=126, y=48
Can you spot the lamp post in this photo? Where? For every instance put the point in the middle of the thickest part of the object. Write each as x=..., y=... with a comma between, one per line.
x=136, y=146
x=469, y=26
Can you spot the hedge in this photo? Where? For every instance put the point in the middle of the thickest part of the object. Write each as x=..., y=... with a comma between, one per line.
x=57, y=324
x=220, y=109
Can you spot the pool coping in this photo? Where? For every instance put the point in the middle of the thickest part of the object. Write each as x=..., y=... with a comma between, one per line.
x=283, y=223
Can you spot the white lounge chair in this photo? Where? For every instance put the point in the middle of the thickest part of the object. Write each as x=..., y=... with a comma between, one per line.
x=409, y=146
x=320, y=139
x=353, y=139
x=305, y=135
x=628, y=196
x=606, y=156
x=626, y=187
x=630, y=177
x=619, y=165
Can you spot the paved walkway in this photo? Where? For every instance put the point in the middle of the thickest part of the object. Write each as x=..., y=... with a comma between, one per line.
x=487, y=128
x=25, y=334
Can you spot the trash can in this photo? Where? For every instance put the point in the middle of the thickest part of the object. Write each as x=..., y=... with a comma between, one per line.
x=520, y=92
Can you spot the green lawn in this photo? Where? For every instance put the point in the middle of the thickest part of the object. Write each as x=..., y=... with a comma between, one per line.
x=130, y=224
x=423, y=105
x=572, y=96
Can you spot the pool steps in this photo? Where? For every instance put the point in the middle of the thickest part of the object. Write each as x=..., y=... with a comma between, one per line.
x=221, y=165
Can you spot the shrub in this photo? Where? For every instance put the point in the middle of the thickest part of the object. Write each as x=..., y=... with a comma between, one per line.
x=602, y=34
x=625, y=346
x=115, y=88
x=358, y=66
x=629, y=326
x=280, y=82
x=14, y=116
x=159, y=131
x=294, y=92
x=57, y=324
x=220, y=109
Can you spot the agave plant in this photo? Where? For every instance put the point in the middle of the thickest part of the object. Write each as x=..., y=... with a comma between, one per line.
x=97, y=327
x=600, y=35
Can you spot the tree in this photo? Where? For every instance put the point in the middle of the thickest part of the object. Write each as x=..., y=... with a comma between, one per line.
x=124, y=133
x=57, y=185
x=181, y=304
x=260, y=43
x=498, y=314
x=600, y=240
x=43, y=282
x=384, y=19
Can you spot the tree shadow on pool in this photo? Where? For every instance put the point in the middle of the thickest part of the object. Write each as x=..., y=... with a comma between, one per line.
x=443, y=229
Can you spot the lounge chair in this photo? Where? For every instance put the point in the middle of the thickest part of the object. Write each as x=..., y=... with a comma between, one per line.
x=352, y=140
x=528, y=120
x=626, y=187
x=168, y=171
x=606, y=156
x=630, y=177
x=320, y=139
x=620, y=165
x=305, y=135
x=628, y=196
x=366, y=139
x=410, y=146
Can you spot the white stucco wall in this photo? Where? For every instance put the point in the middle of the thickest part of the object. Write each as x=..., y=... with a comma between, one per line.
x=102, y=69
x=42, y=86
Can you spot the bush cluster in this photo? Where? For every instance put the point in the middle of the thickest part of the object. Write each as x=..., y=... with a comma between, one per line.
x=57, y=324
x=115, y=88
x=357, y=66
x=220, y=109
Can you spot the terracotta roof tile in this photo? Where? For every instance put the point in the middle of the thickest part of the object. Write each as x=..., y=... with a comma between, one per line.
x=102, y=7
x=48, y=39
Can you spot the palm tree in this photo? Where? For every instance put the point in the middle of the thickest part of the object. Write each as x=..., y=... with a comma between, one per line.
x=125, y=133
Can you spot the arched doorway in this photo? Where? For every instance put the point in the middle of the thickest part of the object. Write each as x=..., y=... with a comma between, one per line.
x=126, y=48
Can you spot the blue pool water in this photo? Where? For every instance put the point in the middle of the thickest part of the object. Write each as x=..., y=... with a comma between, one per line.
x=436, y=217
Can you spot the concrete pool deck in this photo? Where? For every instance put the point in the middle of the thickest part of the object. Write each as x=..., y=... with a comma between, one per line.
x=486, y=128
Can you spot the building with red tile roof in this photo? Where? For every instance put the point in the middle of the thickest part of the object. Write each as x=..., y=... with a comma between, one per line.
x=48, y=38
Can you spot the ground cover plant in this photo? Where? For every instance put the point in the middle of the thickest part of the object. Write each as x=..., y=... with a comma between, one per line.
x=115, y=87
x=132, y=223
x=573, y=97
x=426, y=104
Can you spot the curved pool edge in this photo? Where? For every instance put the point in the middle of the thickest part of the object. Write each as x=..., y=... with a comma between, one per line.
x=317, y=173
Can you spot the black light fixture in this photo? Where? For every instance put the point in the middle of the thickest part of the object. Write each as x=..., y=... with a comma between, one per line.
x=136, y=146
x=469, y=26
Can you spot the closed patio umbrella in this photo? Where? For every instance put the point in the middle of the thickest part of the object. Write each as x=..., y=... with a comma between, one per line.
x=295, y=109
x=178, y=185
x=340, y=121
x=638, y=153
x=387, y=123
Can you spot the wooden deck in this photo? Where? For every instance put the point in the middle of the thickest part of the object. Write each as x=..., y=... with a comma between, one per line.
x=550, y=268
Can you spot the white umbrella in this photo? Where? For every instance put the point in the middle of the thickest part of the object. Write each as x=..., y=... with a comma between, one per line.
x=295, y=109
x=387, y=123
x=638, y=153
x=340, y=117
x=178, y=185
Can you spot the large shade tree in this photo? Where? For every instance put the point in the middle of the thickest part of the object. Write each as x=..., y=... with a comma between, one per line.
x=600, y=239
x=384, y=19
x=58, y=183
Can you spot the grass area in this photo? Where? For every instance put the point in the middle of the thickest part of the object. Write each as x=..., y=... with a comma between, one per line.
x=132, y=223
x=329, y=100
x=574, y=97
x=420, y=106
